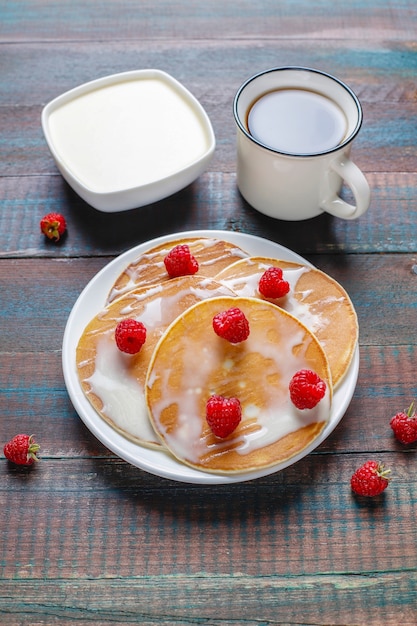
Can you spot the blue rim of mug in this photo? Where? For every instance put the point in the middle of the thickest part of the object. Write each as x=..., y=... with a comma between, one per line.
x=343, y=144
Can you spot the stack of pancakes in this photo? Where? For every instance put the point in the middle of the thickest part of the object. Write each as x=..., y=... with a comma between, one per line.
x=157, y=397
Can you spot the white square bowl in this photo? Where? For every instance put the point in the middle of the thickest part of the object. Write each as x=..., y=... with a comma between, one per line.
x=128, y=140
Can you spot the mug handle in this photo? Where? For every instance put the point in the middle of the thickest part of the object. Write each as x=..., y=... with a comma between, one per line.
x=357, y=182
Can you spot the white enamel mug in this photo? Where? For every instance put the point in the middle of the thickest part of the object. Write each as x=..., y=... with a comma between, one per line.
x=297, y=185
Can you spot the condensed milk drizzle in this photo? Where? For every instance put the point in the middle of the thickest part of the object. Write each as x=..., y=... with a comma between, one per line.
x=122, y=397
x=248, y=286
x=151, y=264
x=118, y=379
x=262, y=423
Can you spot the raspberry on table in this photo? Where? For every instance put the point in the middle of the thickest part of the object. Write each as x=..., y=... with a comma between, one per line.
x=130, y=335
x=306, y=389
x=180, y=262
x=370, y=479
x=53, y=226
x=223, y=415
x=231, y=325
x=21, y=450
x=272, y=284
x=404, y=425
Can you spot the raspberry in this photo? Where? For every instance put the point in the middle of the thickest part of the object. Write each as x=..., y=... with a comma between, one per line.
x=130, y=335
x=306, y=389
x=21, y=450
x=272, y=284
x=404, y=425
x=180, y=262
x=370, y=479
x=53, y=225
x=223, y=415
x=231, y=325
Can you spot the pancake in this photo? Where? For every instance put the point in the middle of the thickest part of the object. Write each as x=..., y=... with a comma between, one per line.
x=212, y=255
x=315, y=298
x=190, y=363
x=114, y=381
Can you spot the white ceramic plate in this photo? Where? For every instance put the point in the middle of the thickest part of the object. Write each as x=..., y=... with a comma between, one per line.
x=92, y=300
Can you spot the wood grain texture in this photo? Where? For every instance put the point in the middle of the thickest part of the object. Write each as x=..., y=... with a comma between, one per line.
x=103, y=519
x=47, y=289
x=86, y=538
x=104, y=537
x=127, y=19
x=381, y=73
x=217, y=600
x=211, y=202
x=36, y=400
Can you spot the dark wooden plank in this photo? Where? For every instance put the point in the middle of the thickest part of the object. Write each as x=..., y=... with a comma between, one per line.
x=127, y=20
x=189, y=600
x=34, y=400
x=297, y=545
x=84, y=536
x=386, y=142
x=44, y=292
x=379, y=71
x=109, y=519
x=37, y=298
x=211, y=202
x=359, y=600
x=382, y=74
x=379, y=286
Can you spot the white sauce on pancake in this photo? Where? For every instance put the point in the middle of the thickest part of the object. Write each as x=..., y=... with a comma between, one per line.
x=122, y=397
x=154, y=259
x=248, y=286
x=114, y=381
x=276, y=418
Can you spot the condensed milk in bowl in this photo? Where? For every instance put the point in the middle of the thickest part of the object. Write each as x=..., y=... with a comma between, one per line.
x=130, y=139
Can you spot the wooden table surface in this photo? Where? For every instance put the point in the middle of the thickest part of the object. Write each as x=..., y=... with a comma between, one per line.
x=87, y=538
